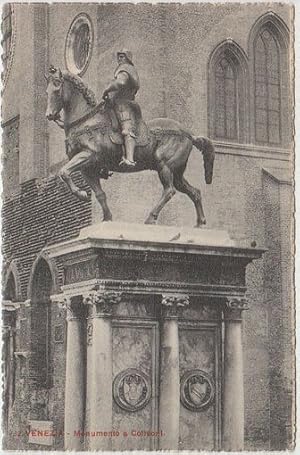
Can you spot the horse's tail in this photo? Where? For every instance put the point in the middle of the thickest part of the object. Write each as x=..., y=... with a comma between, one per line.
x=208, y=151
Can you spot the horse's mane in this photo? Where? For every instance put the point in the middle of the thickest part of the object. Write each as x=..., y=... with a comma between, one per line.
x=87, y=93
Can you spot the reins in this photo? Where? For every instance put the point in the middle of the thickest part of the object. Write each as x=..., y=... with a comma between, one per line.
x=86, y=116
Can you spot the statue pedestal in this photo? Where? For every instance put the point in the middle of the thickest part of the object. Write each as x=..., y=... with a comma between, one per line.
x=150, y=304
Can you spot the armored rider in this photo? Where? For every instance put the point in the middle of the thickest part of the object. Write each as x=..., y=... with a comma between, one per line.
x=122, y=91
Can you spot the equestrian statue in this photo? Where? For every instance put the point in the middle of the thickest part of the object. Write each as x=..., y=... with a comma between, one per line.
x=111, y=136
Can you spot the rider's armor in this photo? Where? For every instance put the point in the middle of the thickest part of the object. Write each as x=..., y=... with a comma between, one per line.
x=125, y=107
x=123, y=100
x=133, y=85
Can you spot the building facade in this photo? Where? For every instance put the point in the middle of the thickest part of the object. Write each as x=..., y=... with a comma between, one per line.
x=224, y=71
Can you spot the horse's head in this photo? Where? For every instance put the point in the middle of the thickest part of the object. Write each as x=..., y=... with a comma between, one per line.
x=55, y=82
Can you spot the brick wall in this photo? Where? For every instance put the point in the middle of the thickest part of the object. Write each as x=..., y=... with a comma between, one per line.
x=42, y=214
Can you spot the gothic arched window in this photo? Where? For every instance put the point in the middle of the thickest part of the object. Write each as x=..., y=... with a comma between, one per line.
x=267, y=88
x=228, y=85
x=226, y=105
x=271, y=100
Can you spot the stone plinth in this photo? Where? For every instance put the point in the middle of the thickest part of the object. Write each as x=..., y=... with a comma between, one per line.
x=142, y=289
x=157, y=234
x=135, y=258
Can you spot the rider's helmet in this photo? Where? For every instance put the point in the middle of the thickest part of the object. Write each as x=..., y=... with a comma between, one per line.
x=127, y=53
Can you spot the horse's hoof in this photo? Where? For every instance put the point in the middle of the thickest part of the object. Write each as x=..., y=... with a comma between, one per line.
x=201, y=223
x=107, y=218
x=83, y=196
x=150, y=220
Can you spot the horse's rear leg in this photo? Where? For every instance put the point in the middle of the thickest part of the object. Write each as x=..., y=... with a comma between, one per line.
x=166, y=178
x=75, y=164
x=182, y=185
x=93, y=180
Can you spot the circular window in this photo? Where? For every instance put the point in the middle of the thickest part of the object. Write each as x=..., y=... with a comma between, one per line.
x=8, y=40
x=79, y=44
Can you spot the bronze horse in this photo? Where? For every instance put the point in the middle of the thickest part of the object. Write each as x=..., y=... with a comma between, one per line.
x=90, y=149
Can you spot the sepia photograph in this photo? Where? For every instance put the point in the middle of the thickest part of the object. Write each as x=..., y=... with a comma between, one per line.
x=148, y=226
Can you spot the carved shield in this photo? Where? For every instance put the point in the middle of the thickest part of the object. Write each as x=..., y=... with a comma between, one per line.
x=133, y=389
x=197, y=391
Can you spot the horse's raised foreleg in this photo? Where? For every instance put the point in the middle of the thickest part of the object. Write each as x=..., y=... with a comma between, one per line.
x=75, y=164
x=182, y=185
x=93, y=180
x=166, y=178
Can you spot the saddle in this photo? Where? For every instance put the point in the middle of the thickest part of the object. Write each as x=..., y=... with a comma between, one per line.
x=141, y=131
x=108, y=125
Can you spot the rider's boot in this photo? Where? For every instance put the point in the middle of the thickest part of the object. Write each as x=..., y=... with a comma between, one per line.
x=128, y=160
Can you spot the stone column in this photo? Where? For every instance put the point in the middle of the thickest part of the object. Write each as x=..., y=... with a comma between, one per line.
x=169, y=400
x=75, y=374
x=233, y=394
x=99, y=367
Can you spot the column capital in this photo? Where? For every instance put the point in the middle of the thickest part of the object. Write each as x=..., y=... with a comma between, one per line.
x=173, y=305
x=234, y=306
x=69, y=303
x=101, y=302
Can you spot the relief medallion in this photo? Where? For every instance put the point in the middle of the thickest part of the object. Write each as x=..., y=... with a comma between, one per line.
x=197, y=390
x=131, y=389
